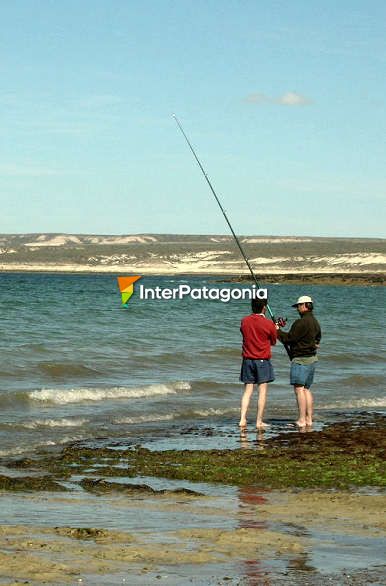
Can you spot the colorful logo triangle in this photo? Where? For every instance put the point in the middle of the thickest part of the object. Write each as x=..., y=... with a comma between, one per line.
x=126, y=287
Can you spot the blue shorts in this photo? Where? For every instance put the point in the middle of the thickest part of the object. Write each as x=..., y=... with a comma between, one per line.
x=302, y=375
x=256, y=371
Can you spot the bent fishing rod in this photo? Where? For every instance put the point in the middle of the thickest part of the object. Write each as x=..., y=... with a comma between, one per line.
x=271, y=314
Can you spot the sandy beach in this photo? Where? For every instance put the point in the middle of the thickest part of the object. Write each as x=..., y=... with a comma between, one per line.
x=248, y=537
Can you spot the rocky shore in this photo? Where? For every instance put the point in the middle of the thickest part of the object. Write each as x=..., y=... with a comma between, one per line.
x=282, y=500
x=343, y=455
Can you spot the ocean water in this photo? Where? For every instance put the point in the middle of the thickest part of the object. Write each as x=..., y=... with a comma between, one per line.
x=75, y=365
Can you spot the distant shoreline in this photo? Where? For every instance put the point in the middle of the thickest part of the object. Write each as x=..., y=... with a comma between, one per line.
x=354, y=278
x=274, y=259
x=376, y=278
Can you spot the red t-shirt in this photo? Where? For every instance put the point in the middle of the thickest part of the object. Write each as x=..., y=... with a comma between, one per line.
x=259, y=334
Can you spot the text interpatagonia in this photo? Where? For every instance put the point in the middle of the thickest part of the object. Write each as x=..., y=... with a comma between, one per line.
x=211, y=293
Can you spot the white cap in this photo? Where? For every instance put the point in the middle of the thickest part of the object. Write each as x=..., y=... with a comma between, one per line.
x=303, y=299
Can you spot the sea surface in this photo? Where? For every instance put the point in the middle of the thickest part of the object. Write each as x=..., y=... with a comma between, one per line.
x=76, y=365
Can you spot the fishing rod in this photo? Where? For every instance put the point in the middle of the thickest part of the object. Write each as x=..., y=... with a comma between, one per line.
x=279, y=320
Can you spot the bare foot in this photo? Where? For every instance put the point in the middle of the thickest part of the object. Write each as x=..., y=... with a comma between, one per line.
x=243, y=425
x=260, y=425
x=308, y=422
x=301, y=423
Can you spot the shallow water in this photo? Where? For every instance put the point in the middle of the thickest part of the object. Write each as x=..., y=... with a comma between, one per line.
x=157, y=521
x=76, y=365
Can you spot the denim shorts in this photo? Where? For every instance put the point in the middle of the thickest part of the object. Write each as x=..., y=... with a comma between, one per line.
x=302, y=375
x=256, y=371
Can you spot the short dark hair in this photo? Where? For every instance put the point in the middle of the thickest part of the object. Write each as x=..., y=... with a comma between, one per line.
x=309, y=305
x=258, y=305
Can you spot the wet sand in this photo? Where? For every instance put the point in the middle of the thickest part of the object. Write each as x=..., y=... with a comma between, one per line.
x=245, y=536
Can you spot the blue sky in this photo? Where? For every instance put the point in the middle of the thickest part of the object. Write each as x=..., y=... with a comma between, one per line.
x=283, y=101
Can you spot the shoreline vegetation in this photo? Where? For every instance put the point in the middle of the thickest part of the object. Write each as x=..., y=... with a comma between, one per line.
x=344, y=455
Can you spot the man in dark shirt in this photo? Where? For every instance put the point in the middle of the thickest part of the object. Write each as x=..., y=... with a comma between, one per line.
x=259, y=334
x=303, y=340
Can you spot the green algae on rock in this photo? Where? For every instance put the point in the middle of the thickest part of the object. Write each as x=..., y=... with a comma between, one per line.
x=343, y=455
x=102, y=486
x=29, y=483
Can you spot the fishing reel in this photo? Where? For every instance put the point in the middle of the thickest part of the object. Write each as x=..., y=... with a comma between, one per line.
x=280, y=321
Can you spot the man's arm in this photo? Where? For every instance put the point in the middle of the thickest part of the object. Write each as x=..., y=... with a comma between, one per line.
x=318, y=336
x=296, y=332
x=273, y=335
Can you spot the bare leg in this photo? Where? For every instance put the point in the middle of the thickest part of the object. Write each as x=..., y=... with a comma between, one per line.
x=263, y=388
x=302, y=405
x=309, y=406
x=248, y=390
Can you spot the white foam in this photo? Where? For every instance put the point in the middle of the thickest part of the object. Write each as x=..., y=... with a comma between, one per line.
x=375, y=402
x=18, y=450
x=143, y=419
x=13, y=451
x=79, y=395
x=63, y=440
x=182, y=386
x=211, y=411
x=54, y=423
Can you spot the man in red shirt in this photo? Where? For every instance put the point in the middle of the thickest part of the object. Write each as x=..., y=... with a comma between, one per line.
x=259, y=334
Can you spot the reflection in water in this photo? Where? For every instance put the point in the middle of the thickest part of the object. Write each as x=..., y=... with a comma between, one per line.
x=300, y=563
x=244, y=439
x=249, y=500
x=255, y=570
x=306, y=429
x=258, y=442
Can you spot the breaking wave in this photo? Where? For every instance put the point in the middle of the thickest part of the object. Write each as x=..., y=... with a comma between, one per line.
x=356, y=403
x=79, y=395
x=210, y=412
x=54, y=423
x=25, y=449
x=143, y=419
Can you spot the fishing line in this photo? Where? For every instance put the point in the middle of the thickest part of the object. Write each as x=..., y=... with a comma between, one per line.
x=271, y=314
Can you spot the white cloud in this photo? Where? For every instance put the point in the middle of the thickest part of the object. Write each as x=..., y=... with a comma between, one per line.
x=294, y=99
x=287, y=99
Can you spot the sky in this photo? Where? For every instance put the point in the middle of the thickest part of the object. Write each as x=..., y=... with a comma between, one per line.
x=284, y=103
